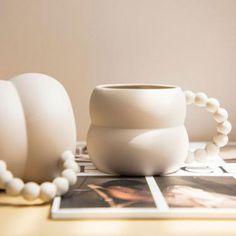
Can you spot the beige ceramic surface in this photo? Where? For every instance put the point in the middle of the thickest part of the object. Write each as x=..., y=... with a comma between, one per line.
x=137, y=129
x=138, y=151
x=36, y=125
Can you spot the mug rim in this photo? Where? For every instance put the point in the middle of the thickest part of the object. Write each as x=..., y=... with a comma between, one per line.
x=136, y=86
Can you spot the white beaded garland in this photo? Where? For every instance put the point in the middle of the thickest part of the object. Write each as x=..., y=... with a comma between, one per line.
x=71, y=165
x=70, y=176
x=200, y=99
x=47, y=191
x=220, y=140
x=67, y=155
x=62, y=185
x=200, y=155
x=14, y=187
x=189, y=96
x=220, y=115
x=212, y=105
x=212, y=149
x=30, y=191
x=5, y=176
x=3, y=165
x=224, y=127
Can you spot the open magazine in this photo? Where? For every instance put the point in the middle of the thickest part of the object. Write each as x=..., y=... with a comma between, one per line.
x=195, y=191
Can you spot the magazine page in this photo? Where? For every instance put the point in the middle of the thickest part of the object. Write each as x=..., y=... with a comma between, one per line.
x=196, y=190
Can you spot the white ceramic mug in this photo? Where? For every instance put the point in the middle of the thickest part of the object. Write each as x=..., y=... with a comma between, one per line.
x=138, y=129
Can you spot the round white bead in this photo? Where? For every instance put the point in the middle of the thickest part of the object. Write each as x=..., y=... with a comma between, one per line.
x=62, y=185
x=220, y=115
x=3, y=165
x=67, y=155
x=5, y=176
x=70, y=176
x=14, y=187
x=47, y=191
x=200, y=99
x=220, y=140
x=31, y=191
x=212, y=149
x=189, y=96
x=71, y=165
x=190, y=157
x=224, y=127
x=200, y=155
x=212, y=105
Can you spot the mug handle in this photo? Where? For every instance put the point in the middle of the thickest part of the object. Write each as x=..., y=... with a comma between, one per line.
x=224, y=127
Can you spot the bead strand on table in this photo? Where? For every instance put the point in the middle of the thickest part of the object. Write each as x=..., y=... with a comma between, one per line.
x=224, y=127
x=45, y=191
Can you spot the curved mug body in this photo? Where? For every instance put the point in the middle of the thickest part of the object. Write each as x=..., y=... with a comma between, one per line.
x=137, y=129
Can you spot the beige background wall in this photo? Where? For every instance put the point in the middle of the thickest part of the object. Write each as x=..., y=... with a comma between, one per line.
x=85, y=43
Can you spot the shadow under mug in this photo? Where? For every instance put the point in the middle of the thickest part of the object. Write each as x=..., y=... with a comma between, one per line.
x=138, y=129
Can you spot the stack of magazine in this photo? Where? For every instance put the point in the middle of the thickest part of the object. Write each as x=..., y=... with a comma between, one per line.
x=197, y=190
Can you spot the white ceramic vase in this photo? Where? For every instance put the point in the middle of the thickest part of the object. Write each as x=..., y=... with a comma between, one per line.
x=36, y=126
x=139, y=129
